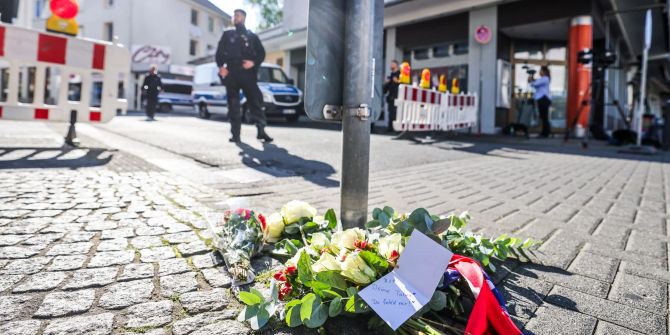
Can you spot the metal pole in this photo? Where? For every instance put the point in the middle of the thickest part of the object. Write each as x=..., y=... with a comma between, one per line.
x=358, y=93
x=643, y=81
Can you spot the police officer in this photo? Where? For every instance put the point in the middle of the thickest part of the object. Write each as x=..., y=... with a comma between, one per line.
x=239, y=55
x=151, y=86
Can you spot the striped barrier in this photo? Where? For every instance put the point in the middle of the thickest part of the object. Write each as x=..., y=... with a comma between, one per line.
x=421, y=109
x=45, y=76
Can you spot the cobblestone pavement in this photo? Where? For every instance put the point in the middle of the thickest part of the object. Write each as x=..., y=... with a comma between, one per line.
x=121, y=246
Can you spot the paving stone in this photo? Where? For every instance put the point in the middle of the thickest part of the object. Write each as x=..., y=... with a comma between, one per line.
x=117, y=233
x=643, y=293
x=149, y=314
x=204, y=301
x=178, y=284
x=59, y=304
x=113, y=245
x=150, y=332
x=6, y=240
x=101, y=225
x=189, y=325
x=644, y=271
x=137, y=271
x=91, y=278
x=7, y=281
x=102, y=259
x=622, y=315
x=193, y=248
x=227, y=327
x=125, y=294
x=524, y=294
x=65, y=263
x=553, y=320
x=100, y=324
x=70, y=248
x=630, y=256
x=43, y=238
x=16, y=252
x=217, y=277
x=150, y=231
x=184, y=237
x=25, y=266
x=156, y=254
x=207, y=261
x=172, y=266
x=43, y=281
x=13, y=305
x=78, y=236
x=142, y=242
x=171, y=228
x=606, y=328
x=646, y=244
x=29, y=327
x=595, y=266
x=564, y=278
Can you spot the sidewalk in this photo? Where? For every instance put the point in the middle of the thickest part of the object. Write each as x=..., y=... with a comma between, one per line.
x=101, y=242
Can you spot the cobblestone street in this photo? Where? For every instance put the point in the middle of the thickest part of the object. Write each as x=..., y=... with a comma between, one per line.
x=108, y=243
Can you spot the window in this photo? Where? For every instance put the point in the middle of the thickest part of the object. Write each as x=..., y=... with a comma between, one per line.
x=210, y=24
x=109, y=31
x=460, y=48
x=27, y=84
x=96, y=90
x=441, y=51
x=193, y=48
x=421, y=53
x=271, y=75
x=556, y=53
x=74, y=88
x=52, y=80
x=4, y=80
x=39, y=7
x=194, y=17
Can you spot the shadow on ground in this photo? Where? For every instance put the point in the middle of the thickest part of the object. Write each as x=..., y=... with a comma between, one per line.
x=278, y=162
x=63, y=157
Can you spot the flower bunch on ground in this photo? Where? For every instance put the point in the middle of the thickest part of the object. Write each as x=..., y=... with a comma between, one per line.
x=240, y=237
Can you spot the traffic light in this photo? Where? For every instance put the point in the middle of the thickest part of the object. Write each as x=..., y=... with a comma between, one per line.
x=8, y=10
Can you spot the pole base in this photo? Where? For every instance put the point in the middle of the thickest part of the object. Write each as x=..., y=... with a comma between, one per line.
x=639, y=150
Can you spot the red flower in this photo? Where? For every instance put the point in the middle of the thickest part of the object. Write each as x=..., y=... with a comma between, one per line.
x=285, y=290
x=280, y=276
x=394, y=256
x=245, y=213
x=261, y=217
x=291, y=270
x=361, y=244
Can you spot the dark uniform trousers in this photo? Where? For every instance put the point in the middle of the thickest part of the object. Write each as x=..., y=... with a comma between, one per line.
x=245, y=80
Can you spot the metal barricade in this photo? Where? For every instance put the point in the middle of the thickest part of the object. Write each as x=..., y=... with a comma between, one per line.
x=421, y=109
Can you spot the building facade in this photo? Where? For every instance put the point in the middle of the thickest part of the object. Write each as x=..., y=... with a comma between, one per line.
x=522, y=36
x=167, y=33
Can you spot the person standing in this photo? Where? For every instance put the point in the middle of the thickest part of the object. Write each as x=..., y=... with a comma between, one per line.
x=543, y=98
x=151, y=86
x=391, y=90
x=238, y=56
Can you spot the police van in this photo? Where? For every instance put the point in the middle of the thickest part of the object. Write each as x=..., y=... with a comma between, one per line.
x=281, y=98
x=175, y=93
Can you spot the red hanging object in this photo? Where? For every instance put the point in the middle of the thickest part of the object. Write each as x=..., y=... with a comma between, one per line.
x=66, y=9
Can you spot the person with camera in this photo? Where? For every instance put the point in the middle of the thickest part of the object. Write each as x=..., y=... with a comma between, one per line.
x=239, y=55
x=542, y=97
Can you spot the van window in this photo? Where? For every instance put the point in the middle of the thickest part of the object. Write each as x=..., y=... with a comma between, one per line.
x=4, y=80
x=96, y=90
x=27, y=84
x=177, y=88
x=52, y=80
x=271, y=75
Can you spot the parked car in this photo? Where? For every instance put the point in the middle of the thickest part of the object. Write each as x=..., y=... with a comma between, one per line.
x=281, y=98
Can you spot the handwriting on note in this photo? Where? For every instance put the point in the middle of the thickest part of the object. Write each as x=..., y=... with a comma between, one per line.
x=402, y=292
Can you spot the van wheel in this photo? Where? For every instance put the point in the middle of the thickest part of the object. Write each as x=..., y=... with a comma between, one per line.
x=203, y=112
x=165, y=108
x=246, y=115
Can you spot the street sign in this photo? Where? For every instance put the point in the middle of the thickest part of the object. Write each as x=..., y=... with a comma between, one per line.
x=324, y=69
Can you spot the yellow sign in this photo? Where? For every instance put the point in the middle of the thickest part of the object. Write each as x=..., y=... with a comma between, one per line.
x=65, y=26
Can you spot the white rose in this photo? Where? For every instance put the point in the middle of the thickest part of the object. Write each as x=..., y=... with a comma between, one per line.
x=295, y=210
x=350, y=236
x=274, y=227
x=390, y=243
x=326, y=262
x=355, y=269
x=319, y=241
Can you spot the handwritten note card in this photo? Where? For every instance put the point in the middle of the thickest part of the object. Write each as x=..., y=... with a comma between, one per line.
x=401, y=293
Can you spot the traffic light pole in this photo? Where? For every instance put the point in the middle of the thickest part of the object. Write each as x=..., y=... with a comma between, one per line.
x=358, y=94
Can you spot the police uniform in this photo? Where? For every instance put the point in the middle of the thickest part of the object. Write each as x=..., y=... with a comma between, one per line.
x=236, y=45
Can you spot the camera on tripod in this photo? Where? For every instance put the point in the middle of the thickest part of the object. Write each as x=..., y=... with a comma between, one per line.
x=600, y=60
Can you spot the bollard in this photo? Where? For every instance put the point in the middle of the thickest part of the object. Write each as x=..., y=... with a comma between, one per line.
x=71, y=137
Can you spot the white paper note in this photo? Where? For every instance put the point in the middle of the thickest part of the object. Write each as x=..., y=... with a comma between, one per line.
x=405, y=290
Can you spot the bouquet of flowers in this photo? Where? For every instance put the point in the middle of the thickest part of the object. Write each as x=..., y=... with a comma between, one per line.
x=328, y=267
x=239, y=237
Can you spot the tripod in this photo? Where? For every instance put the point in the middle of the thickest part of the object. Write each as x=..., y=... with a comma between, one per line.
x=590, y=100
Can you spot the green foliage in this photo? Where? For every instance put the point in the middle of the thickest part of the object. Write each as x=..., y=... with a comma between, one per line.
x=271, y=12
x=259, y=309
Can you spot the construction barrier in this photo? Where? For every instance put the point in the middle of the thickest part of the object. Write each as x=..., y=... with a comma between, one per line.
x=421, y=109
x=45, y=76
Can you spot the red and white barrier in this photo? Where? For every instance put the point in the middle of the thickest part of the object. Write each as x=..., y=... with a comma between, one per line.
x=51, y=59
x=421, y=109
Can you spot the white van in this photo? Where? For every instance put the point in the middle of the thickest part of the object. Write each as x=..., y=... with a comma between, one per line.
x=281, y=98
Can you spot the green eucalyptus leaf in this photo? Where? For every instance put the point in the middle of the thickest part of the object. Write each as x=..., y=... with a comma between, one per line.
x=335, y=307
x=374, y=224
x=249, y=298
x=438, y=302
x=260, y=320
x=293, y=308
x=313, y=313
x=376, y=261
x=331, y=218
x=384, y=219
x=356, y=305
x=352, y=291
x=293, y=228
x=333, y=279
x=257, y=293
x=304, y=268
x=389, y=211
x=375, y=213
x=310, y=227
